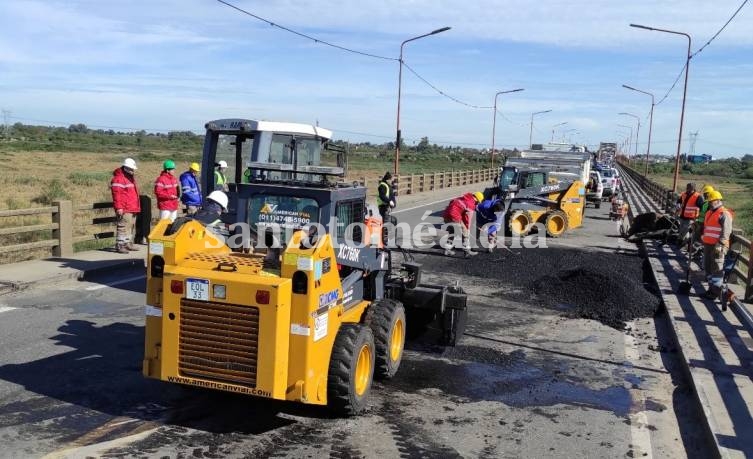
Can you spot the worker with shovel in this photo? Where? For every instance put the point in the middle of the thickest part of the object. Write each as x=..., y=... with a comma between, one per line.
x=457, y=216
x=489, y=221
x=717, y=229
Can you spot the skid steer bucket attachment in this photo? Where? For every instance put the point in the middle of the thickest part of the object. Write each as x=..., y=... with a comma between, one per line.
x=445, y=306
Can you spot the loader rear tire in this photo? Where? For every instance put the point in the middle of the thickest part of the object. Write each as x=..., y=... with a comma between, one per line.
x=387, y=321
x=351, y=370
x=556, y=223
x=520, y=223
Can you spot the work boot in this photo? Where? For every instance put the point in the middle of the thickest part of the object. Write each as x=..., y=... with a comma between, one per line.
x=712, y=293
x=121, y=248
x=131, y=247
x=448, y=252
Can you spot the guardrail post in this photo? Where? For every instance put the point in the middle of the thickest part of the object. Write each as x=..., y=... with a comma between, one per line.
x=749, y=280
x=64, y=234
x=143, y=220
x=736, y=246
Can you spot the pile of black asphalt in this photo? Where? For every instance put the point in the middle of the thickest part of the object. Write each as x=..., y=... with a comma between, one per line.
x=608, y=287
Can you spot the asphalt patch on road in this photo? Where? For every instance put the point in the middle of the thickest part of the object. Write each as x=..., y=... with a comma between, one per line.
x=611, y=288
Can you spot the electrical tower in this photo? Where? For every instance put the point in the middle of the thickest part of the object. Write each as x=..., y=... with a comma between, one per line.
x=693, y=137
x=6, y=123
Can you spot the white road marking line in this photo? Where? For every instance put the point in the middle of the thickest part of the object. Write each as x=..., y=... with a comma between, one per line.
x=111, y=284
x=6, y=308
x=96, y=449
x=639, y=432
x=422, y=205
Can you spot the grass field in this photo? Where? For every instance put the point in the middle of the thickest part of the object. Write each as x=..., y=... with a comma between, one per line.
x=37, y=177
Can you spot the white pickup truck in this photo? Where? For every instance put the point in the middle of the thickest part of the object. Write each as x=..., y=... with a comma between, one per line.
x=595, y=189
x=610, y=180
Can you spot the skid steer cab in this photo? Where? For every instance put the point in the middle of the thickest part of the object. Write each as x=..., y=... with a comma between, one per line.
x=311, y=321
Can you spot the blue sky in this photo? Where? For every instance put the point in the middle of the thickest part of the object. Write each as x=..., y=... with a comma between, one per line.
x=173, y=65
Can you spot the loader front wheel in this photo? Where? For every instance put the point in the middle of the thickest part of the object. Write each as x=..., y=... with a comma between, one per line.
x=520, y=223
x=387, y=321
x=556, y=223
x=351, y=369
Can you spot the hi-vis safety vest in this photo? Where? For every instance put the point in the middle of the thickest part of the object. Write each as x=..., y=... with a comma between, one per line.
x=712, y=226
x=219, y=178
x=386, y=193
x=704, y=211
x=690, y=209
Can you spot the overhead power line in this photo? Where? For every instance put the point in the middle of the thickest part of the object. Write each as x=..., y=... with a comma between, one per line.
x=701, y=49
x=720, y=30
x=309, y=37
x=442, y=92
x=350, y=50
x=673, y=84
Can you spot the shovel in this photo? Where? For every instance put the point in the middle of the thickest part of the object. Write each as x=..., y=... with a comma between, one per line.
x=684, y=287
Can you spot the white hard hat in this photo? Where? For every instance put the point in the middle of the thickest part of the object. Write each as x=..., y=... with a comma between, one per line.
x=222, y=164
x=220, y=198
x=130, y=163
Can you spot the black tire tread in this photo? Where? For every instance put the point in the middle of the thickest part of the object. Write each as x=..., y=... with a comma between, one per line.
x=341, y=396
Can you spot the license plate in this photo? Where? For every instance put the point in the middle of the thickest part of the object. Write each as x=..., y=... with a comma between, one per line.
x=197, y=289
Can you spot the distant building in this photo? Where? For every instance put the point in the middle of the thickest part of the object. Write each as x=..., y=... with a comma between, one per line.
x=699, y=159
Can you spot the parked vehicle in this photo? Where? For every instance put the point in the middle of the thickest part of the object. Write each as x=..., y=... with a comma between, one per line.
x=610, y=182
x=594, y=189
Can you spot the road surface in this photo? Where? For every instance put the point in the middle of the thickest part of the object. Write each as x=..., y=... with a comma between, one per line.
x=525, y=382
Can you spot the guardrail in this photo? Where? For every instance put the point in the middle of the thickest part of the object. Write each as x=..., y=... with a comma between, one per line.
x=69, y=225
x=743, y=270
x=59, y=227
x=418, y=183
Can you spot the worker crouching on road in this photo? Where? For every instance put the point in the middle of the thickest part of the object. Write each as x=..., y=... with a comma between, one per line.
x=167, y=191
x=717, y=230
x=688, y=208
x=458, y=214
x=126, y=202
x=190, y=189
x=209, y=215
x=385, y=197
x=486, y=214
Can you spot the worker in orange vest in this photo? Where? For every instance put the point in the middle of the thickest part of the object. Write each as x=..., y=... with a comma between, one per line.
x=717, y=230
x=688, y=208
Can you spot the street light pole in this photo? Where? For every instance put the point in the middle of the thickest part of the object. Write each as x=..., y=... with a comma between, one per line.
x=494, y=121
x=684, y=95
x=530, y=136
x=630, y=139
x=637, y=131
x=560, y=124
x=399, y=92
x=650, y=123
x=567, y=131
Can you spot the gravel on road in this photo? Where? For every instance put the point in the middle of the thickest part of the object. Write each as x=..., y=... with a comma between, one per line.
x=603, y=286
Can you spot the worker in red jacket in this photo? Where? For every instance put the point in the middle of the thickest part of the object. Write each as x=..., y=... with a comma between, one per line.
x=167, y=190
x=125, y=201
x=458, y=215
